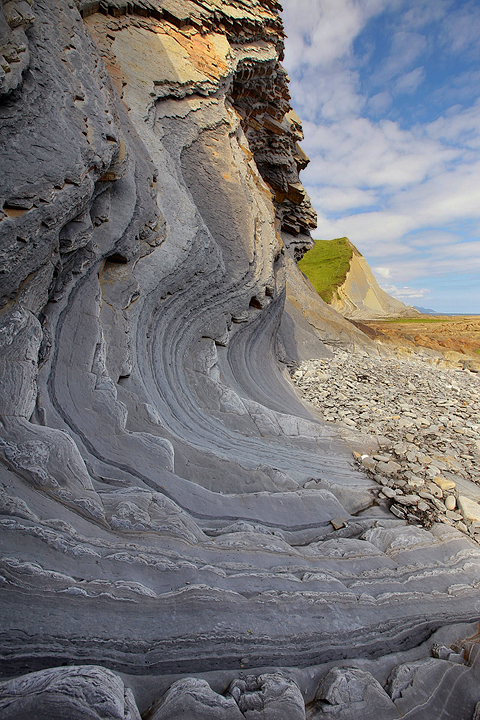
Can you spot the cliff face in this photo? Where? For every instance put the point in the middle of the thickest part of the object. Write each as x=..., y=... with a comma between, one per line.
x=342, y=277
x=361, y=298
x=153, y=453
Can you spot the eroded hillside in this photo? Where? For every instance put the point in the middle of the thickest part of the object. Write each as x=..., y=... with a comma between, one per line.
x=343, y=278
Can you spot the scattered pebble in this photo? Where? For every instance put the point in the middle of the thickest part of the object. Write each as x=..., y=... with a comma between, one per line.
x=426, y=420
x=338, y=523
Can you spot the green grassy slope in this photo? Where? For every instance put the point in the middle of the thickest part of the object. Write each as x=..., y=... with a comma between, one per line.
x=326, y=265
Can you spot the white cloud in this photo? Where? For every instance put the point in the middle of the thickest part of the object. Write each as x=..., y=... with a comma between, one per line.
x=451, y=195
x=318, y=53
x=339, y=199
x=408, y=195
x=458, y=126
x=405, y=293
x=457, y=261
x=380, y=102
x=461, y=30
x=375, y=234
x=356, y=151
x=426, y=239
x=409, y=82
x=384, y=272
x=402, y=181
x=424, y=12
x=332, y=94
x=321, y=32
x=407, y=47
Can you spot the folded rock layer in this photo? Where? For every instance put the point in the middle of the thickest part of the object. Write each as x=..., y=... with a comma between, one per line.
x=154, y=517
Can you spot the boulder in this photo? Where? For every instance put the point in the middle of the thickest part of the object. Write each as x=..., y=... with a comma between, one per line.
x=194, y=698
x=70, y=693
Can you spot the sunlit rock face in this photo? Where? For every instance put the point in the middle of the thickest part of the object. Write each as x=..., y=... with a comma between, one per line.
x=154, y=517
x=360, y=297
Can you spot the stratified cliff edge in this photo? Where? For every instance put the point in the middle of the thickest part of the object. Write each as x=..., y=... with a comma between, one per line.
x=360, y=297
x=343, y=278
x=154, y=517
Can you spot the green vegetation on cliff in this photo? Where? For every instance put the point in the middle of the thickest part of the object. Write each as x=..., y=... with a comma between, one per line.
x=326, y=265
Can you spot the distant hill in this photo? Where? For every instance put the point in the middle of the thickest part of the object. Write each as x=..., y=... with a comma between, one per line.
x=342, y=277
x=425, y=311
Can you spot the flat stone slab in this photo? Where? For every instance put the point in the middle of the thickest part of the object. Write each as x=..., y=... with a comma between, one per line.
x=444, y=483
x=469, y=509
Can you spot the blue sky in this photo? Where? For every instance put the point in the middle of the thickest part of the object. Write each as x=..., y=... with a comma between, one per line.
x=389, y=95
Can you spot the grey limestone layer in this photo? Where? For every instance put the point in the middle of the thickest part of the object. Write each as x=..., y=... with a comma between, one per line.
x=160, y=551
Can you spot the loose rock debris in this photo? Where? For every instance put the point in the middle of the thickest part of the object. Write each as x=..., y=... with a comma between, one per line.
x=426, y=422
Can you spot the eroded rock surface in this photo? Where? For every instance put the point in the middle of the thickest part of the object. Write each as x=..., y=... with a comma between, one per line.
x=80, y=693
x=154, y=458
x=360, y=297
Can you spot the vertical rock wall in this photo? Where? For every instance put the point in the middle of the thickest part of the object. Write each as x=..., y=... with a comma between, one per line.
x=153, y=455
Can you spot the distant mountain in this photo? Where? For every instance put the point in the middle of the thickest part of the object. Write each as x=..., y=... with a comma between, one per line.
x=426, y=311
x=342, y=277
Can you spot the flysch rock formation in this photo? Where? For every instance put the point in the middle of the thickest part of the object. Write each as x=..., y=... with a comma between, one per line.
x=307, y=318
x=360, y=297
x=161, y=555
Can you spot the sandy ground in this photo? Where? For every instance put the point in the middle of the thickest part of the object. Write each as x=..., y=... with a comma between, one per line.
x=456, y=338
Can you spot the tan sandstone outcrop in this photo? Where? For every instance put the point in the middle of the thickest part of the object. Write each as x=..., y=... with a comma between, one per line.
x=361, y=298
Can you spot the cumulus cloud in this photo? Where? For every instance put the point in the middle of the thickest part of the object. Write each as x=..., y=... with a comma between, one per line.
x=318, y=53
x=405, y=191
x=384, y=272
x=339, y=199
x=461, y=32
x=380, y=103
x=358, y=152
x=405, y=293
x=458, y=127
x=457, y=92
x=425, y=12
x=321, y=32
x=332, y=94
x=425, y=239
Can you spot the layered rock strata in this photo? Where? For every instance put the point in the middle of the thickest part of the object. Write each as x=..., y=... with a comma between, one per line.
x=360, y=297
x=154, y=517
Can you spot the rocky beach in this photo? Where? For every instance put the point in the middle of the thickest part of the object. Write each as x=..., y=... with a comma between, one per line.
x=182, y=534
x=413, y=422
